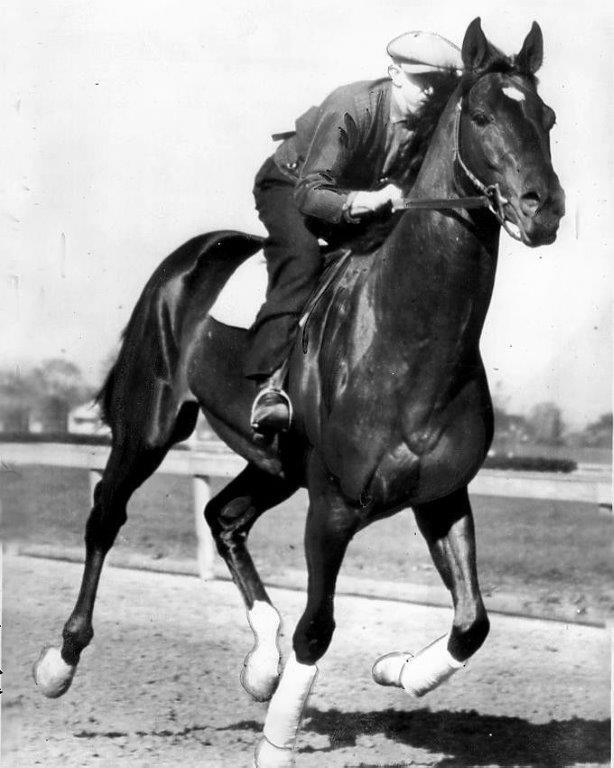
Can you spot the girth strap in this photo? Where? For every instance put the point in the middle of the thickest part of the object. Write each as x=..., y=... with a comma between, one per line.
x=333, y=269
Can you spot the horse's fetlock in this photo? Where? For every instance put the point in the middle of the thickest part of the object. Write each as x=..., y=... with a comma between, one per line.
x=78, y=629
x=468, y=635
x=77, y=635
x=311, y=643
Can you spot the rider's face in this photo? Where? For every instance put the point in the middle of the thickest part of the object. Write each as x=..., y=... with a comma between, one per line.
x=410, y=89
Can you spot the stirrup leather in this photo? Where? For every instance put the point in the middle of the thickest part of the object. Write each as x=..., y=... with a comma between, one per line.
x=272, y=391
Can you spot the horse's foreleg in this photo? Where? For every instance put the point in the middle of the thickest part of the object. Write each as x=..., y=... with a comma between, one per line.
x=55, y=668
x=447, y=526
x=331, y=522
x=231, y=515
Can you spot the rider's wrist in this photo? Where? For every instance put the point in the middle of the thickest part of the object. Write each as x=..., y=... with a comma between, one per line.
x=347, y=209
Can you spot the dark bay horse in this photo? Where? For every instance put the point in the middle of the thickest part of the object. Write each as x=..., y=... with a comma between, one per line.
x=392, y=407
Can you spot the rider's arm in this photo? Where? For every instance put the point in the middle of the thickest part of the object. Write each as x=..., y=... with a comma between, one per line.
x=335, y=145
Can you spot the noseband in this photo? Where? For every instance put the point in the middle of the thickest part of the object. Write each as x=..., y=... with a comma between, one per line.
x=490, y=198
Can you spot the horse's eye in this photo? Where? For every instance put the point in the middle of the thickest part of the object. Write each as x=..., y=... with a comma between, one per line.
x=549, y=118
x=481, y=118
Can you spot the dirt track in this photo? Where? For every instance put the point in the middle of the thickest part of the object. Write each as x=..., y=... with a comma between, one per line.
x=159, y=685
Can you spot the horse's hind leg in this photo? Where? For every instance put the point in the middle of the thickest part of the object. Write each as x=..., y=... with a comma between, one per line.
x=447, y=526
x=231, y=515
x=131, y=461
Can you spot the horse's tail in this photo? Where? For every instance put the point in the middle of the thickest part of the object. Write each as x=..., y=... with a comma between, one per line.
x=181, y=290
x=104, y=395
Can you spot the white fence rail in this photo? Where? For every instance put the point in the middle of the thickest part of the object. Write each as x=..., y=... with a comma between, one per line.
x=591, y=485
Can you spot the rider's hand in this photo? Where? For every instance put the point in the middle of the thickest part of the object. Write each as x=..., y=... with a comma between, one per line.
x=368, y=202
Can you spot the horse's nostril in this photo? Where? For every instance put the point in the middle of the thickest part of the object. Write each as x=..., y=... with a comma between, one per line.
x=529, y=202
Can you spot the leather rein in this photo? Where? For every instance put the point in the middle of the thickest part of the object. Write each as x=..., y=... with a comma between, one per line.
x=490, y=198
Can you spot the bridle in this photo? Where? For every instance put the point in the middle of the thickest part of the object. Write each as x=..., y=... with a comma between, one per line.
x=490, y=198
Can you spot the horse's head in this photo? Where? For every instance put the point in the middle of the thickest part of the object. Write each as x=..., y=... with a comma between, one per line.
x=504, y=136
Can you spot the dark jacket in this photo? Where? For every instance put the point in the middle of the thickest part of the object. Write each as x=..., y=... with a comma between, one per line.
x=338, y=147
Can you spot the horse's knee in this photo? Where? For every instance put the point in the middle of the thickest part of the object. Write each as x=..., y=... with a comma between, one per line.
x=468, y=634
x=312, y=638
x=213, y=511
x=227, y=523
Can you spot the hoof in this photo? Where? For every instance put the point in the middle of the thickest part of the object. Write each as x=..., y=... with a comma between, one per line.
x=387, y=669
x=418, y=674
x=269, y=756
x=52, y=674
x=260, y=673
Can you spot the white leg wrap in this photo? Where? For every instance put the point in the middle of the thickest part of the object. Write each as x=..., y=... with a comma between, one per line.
x=429, y=668
x=52, y=674
x=284, y=715
x=261, y=667
x=269, y=756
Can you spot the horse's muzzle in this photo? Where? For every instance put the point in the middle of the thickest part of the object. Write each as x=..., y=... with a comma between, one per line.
x=538, y=212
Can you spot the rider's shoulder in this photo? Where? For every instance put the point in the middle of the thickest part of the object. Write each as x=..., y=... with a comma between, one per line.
x=357, y=95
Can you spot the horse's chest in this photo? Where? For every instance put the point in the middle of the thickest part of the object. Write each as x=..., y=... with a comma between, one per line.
x=379, y=451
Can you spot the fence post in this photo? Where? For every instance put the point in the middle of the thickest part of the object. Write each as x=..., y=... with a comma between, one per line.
x=205, y=550
x=94, y=476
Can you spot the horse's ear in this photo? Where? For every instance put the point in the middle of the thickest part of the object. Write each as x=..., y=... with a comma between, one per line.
x=477, y=52
x=531, y=56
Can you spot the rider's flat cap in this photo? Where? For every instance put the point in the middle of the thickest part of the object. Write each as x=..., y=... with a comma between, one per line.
x=417, y=52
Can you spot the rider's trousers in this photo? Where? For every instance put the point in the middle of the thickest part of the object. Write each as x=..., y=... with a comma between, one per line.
x=293, y=262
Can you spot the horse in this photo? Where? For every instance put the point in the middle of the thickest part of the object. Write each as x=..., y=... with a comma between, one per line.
x=391, y=403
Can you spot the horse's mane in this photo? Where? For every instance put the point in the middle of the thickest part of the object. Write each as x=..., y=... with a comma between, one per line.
x=379, y=227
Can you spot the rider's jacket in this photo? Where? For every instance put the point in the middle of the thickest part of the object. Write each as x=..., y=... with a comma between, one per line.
x=343, y=145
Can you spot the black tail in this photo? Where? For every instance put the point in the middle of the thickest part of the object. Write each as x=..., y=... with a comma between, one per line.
x=145, y=369
x=105, y=394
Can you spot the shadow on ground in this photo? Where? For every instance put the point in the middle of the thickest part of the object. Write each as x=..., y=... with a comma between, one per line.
x=466, y=738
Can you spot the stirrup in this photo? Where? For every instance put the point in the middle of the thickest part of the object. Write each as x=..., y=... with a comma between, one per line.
x=272, y=390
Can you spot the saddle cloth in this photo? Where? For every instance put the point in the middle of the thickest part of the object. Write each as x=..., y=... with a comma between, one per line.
x=243, y=294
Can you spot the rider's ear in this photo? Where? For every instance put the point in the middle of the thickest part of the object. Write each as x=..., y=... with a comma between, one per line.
x=531, y=56
x=477, y=52
x=395, y=72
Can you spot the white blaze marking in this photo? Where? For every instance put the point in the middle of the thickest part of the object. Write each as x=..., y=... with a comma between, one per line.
x=513, y=93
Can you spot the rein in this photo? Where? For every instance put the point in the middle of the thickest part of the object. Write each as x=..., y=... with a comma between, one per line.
x=490, y=198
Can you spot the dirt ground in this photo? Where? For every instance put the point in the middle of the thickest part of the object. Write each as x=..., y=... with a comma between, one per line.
x=159, y=685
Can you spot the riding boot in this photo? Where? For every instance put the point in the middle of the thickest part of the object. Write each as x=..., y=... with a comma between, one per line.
x=272, y=409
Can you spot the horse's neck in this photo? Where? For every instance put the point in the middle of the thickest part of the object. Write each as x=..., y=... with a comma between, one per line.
x=438, y=264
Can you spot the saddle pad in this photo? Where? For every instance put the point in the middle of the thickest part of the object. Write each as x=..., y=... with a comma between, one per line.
x=243, y=294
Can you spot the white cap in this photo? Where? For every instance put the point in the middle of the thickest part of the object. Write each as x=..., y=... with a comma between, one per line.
x=417, y=52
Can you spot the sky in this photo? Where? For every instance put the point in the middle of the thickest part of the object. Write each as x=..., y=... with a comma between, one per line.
x=130, y=127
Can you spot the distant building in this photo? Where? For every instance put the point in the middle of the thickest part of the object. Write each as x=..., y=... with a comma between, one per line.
x=85, y=420
x=547, y=423
x=53, y=413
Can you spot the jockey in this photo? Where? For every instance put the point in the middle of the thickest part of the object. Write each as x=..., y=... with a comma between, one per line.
x=338, y=166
